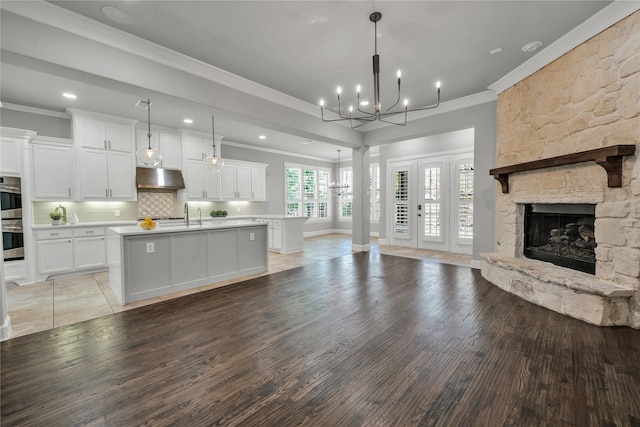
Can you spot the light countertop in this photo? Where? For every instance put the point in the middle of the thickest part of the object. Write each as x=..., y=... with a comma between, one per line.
x=180, y=227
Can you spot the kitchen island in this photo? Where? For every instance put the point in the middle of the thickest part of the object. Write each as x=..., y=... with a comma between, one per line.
x=176, y=257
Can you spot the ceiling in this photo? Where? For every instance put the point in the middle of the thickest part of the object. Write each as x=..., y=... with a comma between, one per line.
x=303, y=49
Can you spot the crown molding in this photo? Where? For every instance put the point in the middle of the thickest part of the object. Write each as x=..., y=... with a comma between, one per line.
x=610, y=15
x=35, y=110
x=60, y=18
x=15, y=133
x=52, y=140
x=273, y=150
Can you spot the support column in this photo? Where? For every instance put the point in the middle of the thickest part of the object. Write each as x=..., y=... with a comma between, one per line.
x=361, y=223
x=5, y=320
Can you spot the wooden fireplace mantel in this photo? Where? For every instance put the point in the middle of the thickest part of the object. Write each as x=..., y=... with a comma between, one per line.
x=610, y=158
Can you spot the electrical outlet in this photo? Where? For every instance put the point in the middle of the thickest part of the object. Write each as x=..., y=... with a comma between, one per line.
x=151, y=248
x=252, y=236
x=117, y=212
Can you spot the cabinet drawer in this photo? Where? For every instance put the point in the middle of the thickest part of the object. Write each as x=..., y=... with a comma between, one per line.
x=277, y=222
x=89, y=231
x=53, y=234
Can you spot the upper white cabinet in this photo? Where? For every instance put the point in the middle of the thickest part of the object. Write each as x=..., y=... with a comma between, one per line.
x=167, y=143
x=106, y=175
x=200, y=182
x=53, y=171
x=105, y=155
x=243, y=180
x=105, y=132
x=10, y=158
x=196, y=147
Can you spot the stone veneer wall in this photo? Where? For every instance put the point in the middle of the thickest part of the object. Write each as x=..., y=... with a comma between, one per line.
x=588, y=98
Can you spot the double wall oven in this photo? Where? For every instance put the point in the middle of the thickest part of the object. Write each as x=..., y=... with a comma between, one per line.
x=11, y=203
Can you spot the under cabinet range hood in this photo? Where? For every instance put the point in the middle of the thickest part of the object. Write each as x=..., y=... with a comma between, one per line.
x=159, y=179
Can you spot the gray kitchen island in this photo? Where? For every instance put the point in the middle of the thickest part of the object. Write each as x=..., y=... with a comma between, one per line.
x=176, y=257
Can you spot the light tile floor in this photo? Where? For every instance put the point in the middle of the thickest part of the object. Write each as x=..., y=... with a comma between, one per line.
x=59, y=302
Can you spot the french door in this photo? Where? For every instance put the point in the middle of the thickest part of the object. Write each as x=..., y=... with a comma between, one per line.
x=432, y=203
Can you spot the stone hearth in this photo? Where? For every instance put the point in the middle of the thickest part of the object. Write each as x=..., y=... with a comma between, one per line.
x=585, y=100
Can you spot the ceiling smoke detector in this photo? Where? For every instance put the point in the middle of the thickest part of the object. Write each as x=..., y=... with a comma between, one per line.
x=530, y=47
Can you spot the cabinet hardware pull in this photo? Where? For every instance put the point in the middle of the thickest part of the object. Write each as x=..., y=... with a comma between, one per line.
x=69, y=191
x=105, y=144
x=89, y=231
x=109, y=144
x=53, y=234
x=110, y=193
x=106, y=192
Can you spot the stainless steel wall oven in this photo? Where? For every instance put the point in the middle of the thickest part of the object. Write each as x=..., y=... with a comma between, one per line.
x=11, y=203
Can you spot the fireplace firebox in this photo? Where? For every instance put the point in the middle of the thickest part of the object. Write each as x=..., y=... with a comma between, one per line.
x=562, y=234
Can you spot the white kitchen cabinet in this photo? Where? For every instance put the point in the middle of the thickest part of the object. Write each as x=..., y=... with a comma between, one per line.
x=285, y=234
x=274, y=230
x=63, y=250
x=94, y=132
x=166, y=142
x=243, y=181
x=195, y=147
x=200, y=182
x=10, y=158
x=53, y=171
x=106, y=175
x=89, y=248
x=55, y=252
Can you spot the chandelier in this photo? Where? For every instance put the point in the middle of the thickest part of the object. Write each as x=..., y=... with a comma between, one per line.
x=213, y=162
x=148, y=155
x=336, y=187
x=362, y=117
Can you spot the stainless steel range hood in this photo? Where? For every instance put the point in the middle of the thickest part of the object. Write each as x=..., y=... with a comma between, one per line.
x=159, y=179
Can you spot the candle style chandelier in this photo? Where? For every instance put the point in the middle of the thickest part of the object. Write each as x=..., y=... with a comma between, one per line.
x=363, y=117
x=338, y=188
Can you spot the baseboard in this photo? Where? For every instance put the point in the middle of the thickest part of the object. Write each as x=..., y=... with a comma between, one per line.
x=360, y=248
x=477, y=264
x=5, y=329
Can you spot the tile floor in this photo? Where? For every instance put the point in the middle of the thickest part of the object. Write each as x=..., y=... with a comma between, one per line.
x=59, y=302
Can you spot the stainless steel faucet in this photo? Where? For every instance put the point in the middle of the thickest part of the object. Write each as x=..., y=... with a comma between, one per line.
x=200, y=216
x=186, y=213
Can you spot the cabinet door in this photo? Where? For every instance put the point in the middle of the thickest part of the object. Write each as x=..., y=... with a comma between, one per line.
x=258, y=184
x=170, y=148
x=52, y=171
x=120, y=175
x=193, y=147
x=91, y=132
x=118, y=136
x=243, y=182
x=89, y=252
x=228, y=178
x=10, y=158
x=275, y=235
x=194, y=179
x=211, y=184
x=55, y=256
x=93, y=174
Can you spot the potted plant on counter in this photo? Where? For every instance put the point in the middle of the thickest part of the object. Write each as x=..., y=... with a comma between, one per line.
x=55, y=217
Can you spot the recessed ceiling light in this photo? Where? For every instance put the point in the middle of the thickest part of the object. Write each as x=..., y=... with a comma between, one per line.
x=188, y=121
x=530, y=47
x=364, y=103
x=262, y=137
x=496, y=50
x=116, y=14
x=306, y=142
x=69, y=95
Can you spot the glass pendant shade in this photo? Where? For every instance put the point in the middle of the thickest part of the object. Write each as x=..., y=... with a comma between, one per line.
x=214, y=162
x=148, y=155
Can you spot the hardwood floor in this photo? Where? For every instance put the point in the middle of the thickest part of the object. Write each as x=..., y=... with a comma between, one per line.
x=364, y=339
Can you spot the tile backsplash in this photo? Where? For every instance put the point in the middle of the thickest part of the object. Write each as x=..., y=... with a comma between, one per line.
x=157, y=204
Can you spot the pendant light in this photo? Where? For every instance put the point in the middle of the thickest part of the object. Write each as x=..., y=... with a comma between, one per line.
x=338, y=188
x=214, y=162
x=148, y=155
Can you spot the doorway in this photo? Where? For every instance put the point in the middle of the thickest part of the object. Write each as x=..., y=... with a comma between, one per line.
x=431, y=202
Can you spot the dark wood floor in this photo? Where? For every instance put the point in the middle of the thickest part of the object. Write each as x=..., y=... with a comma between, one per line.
x=361, y=340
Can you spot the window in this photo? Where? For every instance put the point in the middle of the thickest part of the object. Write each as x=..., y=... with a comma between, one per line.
x=307, y=191
x=346, y=199
x=374, y=191
x=432, y=202
x=465, y=200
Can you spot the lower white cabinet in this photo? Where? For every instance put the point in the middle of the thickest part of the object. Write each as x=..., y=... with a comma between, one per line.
x=67, y=250
x=55, y=255
x=274, y=227
x=285, y=234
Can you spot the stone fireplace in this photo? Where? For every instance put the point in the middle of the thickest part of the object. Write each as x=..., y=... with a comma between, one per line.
x=585, y=101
